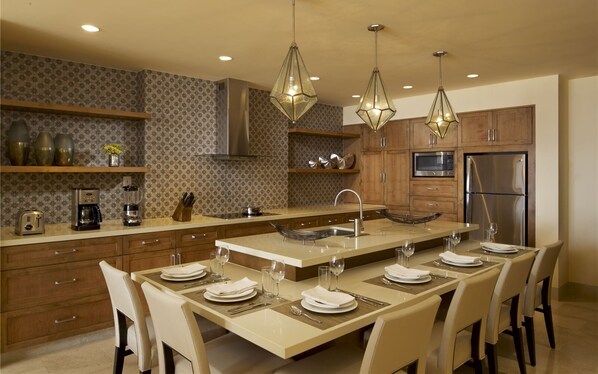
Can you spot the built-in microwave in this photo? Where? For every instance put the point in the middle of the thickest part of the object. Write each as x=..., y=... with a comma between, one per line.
x=433, y=164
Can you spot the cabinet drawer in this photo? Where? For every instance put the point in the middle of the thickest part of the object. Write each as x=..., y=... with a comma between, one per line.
x=22, y=256
x=444, y=217
x=191, y=237
x=428, y=205
x=433, y=188
x=303, y=223
x=245, y=229
x=148, y=242
x=333, y=219
x=46, y=284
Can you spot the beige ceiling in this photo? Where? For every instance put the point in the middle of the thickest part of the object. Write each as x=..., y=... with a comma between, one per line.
x=501, y=40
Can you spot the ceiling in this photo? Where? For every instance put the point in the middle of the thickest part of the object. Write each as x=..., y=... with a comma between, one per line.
x=501, y=41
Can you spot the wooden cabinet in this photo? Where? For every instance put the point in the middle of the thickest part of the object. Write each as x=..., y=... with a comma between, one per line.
x=196, y=244
x=397, y=178
x=430, y=196
x=434, y=188
x=509, y=126
x=302, y=223
x=333, y=219
x=372, y=177
x=423, y=138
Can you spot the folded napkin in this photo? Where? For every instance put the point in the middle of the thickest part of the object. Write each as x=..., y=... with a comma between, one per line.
x=450, y=256
x=399, y=271
x=498, y=247
x=232, y=288
x=322, y=295
x=182, y=271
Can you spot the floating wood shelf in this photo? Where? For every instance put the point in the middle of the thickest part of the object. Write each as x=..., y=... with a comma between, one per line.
x=72, y=169
x=331, y=134
x=30, y=106
x=323, y=171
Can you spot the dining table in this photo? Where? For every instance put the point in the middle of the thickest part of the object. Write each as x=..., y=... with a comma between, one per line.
x=269, y=322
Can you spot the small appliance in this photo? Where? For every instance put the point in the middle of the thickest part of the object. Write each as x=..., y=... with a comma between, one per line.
x=131, y=214
x=86, y=213
x=30, y=222
x=434, y=164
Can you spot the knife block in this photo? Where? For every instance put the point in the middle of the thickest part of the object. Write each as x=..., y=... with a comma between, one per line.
x=182, y=213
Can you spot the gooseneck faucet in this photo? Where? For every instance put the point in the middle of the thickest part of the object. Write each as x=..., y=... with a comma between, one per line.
x=358, y=222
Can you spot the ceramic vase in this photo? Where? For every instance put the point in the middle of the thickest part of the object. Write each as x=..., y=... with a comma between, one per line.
x=64, y=150
x=44, y=149
x=18, y=143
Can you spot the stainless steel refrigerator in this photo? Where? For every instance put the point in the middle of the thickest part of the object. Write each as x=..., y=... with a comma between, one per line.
x=496, y=191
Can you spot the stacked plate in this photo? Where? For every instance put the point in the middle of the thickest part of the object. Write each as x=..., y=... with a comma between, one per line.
x=453, y=259
x=498, y=248
x=401, y=274
x=232, y=292
x=320, y=300
x=184, y=273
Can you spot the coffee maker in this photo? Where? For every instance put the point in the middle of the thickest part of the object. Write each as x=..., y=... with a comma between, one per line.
x=86, y=214
x=131, y=214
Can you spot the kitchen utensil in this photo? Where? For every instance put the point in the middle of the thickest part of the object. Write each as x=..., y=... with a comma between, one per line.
x=30, y=222
x=252, y=211
x=365, y=299
x=298, y=312
x=248, y=308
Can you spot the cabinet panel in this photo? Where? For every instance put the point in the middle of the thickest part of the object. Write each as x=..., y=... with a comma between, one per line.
x=200, y=235
x=148, y=242
x=513, y=126
x=370, y=140
x=396, y=136
x=434, y=188
x=303, y=223
x=335, y=219
x=433, y=205
x=245, y=229
x=195, y=253
x=148, y=260
x=397, y=177
x=423, y=138
x=475, y=128
x=372, y=186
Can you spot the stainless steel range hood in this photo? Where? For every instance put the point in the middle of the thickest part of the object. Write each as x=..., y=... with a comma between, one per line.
x=232, y=120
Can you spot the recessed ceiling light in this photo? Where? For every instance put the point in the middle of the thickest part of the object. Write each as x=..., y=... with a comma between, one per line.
x=90, y=28
x=356, y=96
x=472, y=75
x=314, y=78
x=225, y=58
x=408, y=87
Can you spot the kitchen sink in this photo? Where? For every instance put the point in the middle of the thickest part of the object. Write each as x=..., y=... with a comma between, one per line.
x=338, y=231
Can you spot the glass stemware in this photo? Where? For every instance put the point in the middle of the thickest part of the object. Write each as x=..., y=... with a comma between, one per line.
x=222, y=256
x=337, y=265
x=408, y=250
x=455, y=238
x=277, y=272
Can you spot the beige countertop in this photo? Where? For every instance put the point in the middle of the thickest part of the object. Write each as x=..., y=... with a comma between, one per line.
x=63, y=231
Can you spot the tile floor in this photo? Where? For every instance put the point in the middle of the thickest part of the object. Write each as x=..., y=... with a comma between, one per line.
x=576, y=330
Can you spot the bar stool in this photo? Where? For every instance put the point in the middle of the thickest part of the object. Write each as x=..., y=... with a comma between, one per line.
x=460, y=337
x=176, y=331
x=537, y=293
x=506, y=309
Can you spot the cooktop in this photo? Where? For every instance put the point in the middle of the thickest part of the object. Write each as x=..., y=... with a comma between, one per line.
x=239, y=215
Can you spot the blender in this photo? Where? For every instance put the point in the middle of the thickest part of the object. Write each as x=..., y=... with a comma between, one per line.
x=131, y=215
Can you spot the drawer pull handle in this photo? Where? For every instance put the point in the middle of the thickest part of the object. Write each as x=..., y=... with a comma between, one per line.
x=432, y=204
x=150, y=242
x=198, y=236
x=59, y=283
x=71, y=319
x=56, y=253
x=432, y=188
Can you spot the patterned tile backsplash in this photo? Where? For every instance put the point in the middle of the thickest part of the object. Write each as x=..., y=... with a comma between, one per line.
x=173, y=143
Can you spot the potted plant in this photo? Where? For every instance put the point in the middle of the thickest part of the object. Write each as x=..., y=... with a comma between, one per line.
x=114, y=152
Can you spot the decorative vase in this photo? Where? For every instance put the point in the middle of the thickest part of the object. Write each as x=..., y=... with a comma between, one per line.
x=18, y=143
x=64, y=150
x=44, y=149
x=113, y=160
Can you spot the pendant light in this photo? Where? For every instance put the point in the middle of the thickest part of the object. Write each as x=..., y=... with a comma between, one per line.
x=375, y=108
x=293, y=93
x=441, y=114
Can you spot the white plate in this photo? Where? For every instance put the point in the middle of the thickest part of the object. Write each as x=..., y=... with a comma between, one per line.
x=316, y=309
x=180, y=279
x=209, y=296
x=425, y=279
x=318, y=304
x=512, y=250
x=463, y=265
x=194, y=274
x=232, y=296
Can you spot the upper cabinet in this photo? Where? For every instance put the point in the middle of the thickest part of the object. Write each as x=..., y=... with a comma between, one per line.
x=510, y=126
x=423, y=138
x=393, y=136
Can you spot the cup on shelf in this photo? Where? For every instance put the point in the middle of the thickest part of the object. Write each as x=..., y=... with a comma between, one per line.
x=324, y=277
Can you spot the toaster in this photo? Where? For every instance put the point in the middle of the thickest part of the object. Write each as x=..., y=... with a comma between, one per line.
x=30, y=222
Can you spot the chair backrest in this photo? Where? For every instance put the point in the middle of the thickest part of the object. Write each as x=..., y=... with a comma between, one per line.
x=510, y=285
x=125, y=301
x=175, y=328
x=385, y=354
x=469, y=306
x=542, y=270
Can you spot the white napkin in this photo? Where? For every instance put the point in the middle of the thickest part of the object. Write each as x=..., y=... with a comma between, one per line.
x=498, y=247
x=399, y=271
x=185, y=270
x=450, y=256
x=322, y=295
x=232, y=288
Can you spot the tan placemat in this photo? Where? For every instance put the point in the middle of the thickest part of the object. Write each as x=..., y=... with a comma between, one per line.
x=259, y=301
x=180, y=286
x=413, y=289
x=467, y=270
x=329, y=320
x=505, y=255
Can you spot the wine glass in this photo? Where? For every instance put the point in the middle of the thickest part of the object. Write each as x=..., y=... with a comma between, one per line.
x=492, y=231
x=408, y=250
x=455, y=239
x=277, y=272
x=222, y=256
x=337, y=265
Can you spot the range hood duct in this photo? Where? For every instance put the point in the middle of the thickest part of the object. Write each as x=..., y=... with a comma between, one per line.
x=232, y=120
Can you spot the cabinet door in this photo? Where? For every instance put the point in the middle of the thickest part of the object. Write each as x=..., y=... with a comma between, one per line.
x=372, y=186
x=475, y=128
x=422, y=136
x=155, y=241
x=513, y=126
x=397, y=178
x=148, y=260
x=370, y=140
x=396, y=136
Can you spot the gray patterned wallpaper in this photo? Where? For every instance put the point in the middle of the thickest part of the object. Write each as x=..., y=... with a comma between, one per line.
x=181, y=129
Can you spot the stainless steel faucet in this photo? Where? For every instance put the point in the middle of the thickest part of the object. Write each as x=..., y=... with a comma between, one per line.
x=358, y=222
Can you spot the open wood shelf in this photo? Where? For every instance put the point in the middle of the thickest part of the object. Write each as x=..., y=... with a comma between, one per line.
x=331, y=134
x=30, y=106
x=322, y=171
x=73, y=169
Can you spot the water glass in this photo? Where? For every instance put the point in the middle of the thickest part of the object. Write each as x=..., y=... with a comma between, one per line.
x=448, y=245
x=399, y=258
x=455, y=239
x=491, y=232
x=324, y=276
x=215, y=265
x=267, y=282
x=337, y=266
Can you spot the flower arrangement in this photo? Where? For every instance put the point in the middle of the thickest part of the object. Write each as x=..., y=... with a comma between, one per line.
x=112, y=149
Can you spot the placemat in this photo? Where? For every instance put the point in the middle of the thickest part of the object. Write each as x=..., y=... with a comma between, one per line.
x=505, y=255
x=329, y=320
x=180, y=286
x=226, y=308
x=413, y=289
x=467, y=270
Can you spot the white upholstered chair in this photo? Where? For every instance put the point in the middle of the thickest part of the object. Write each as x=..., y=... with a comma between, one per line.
x=506, y=308
x=176, y=331
x=460, y=337
x=399, y=339
x=537, y=295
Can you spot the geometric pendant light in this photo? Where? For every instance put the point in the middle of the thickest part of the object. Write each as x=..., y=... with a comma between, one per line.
x=441, y=115
x=293, y=92
x=375, y=107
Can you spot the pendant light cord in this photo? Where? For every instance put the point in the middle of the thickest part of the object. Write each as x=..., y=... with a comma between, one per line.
x=375, y=49
x=294, y=22
x=440, y=68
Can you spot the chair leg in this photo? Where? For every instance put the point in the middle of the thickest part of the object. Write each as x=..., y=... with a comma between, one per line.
x=119, y=359
x=531, y=341
x=518, y=341
x=412, y=368
x=492, y=358
x=549, y=325
x=149, y=371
